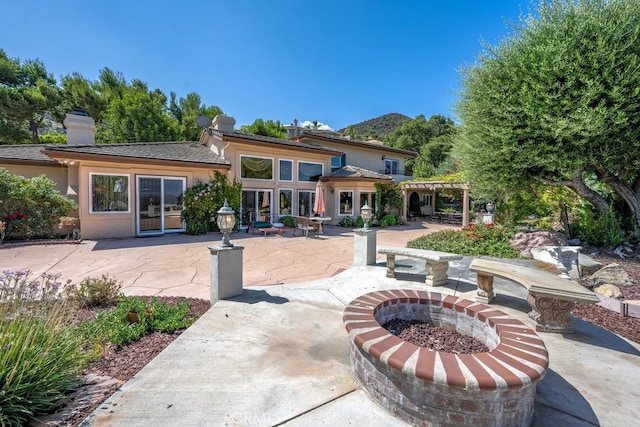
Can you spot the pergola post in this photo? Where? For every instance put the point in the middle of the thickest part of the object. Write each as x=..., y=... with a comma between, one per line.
x=465, y=207
x=404, y=204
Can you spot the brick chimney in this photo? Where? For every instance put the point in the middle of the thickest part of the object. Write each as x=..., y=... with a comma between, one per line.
x=81, y=129
x=223, y=123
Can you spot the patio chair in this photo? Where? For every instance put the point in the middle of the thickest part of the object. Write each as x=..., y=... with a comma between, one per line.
x=305, y=225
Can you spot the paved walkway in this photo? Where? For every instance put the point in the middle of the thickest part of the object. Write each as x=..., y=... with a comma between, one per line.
x=278, y=355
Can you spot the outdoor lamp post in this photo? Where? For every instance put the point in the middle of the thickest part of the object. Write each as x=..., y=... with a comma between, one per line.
x=226, y=220
x=366, y=212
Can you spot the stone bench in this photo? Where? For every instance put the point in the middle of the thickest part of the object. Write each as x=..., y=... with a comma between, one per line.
x=551, y=298
x=437, y=263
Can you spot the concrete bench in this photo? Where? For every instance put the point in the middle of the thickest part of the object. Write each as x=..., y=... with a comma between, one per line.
x=437, y=263
x=551, y=297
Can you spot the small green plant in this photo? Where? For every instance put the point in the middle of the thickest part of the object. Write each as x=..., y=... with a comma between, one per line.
x=133, y=318
x=347, y=221
x=92, y=291
x=474, y=240
x=603, y=230
x=40, y=356
x=287, y=221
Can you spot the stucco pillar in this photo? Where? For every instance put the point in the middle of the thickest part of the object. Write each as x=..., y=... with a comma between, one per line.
x=465, y=207
x=364, y=246
x=225, y=272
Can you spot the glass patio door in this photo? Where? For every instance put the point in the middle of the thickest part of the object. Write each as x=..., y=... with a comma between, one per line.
x=256, y=206
x=159, y=204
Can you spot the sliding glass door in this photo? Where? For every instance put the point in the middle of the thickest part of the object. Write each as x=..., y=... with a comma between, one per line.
x=256, y=206
x=159, y=204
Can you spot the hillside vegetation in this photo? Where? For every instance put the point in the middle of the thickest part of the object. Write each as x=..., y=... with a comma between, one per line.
x=376, y=128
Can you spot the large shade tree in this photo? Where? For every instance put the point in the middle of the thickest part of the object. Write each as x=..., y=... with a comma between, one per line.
x=28, y=94
x=431, y=139
x=558, y=101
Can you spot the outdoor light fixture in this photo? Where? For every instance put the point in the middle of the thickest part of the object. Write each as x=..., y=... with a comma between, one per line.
x=226, y=220
x=366, y=212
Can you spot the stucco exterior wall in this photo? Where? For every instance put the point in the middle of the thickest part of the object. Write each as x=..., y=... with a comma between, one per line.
x=57, y=173
x=122, y=224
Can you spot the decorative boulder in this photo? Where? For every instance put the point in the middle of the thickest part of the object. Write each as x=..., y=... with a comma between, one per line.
x=611, y=274
x=608, y=290
x=523, y=242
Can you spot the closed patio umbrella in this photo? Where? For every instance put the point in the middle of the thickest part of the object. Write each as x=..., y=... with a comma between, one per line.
x=318, y=205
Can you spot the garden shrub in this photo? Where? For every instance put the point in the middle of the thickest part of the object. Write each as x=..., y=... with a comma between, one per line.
x=603, y=230
x=31, y=208
x=474, y=240
x=347, y=221
x=203, y=200
x=359, y=222
x=40, y=356
x=133, y=318
x=287, y=221
x=92, y=291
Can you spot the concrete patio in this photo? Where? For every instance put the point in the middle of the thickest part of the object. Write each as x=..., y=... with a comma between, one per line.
x=278, y=354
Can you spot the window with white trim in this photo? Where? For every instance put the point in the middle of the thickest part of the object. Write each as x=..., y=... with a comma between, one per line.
x=338, y=162
x=109, y=193
x=285, y=170
x=256, y=168
x=309, y=172
x=286, y=202
x=391, y=167
x=346, y=202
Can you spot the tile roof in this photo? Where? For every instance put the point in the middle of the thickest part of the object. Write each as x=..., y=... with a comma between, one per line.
x=188, y=152
x=344, y=140
x=288, y=143
x=355, y=172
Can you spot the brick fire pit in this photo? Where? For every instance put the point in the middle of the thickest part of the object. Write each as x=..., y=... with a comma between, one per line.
x=436, y=388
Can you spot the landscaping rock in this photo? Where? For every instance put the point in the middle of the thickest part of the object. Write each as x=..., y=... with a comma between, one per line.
x=588, y=266
x=608, y=290
x=611, y=274
x=523, y=242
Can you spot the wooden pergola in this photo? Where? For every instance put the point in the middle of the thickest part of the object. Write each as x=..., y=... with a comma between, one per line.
x=433, y=187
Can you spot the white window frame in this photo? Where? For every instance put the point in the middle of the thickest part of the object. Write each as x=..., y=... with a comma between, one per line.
x=340, y=213
x=310, y=163
x=341, y=159
x=292, y=201
x=128, y=191
x=292, y=170
x=391, y=162
x=258, y=157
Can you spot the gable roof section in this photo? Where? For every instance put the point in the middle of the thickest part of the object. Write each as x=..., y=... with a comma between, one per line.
x=349, y=172
x=321, y=136
x=271, y=141
x=186, y=153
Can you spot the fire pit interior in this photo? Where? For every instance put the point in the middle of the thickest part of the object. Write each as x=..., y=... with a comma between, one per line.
x=436, y=387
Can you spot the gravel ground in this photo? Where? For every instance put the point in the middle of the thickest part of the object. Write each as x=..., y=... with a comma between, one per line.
x=120, y=364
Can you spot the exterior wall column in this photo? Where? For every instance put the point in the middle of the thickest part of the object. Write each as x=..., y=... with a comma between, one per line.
x=465, y=207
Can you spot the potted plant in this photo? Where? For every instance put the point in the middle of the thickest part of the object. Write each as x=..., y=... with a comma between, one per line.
x=66, y=221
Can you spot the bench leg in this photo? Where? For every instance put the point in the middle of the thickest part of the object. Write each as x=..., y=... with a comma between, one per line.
x=436, y=273
x=551, y=314
x=391, y=265
x=485, y=289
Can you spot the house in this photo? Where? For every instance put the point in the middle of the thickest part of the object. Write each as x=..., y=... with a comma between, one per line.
x=136, y=189
x=279, y=176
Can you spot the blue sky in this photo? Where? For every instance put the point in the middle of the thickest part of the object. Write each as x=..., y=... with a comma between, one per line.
x=336, y=61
